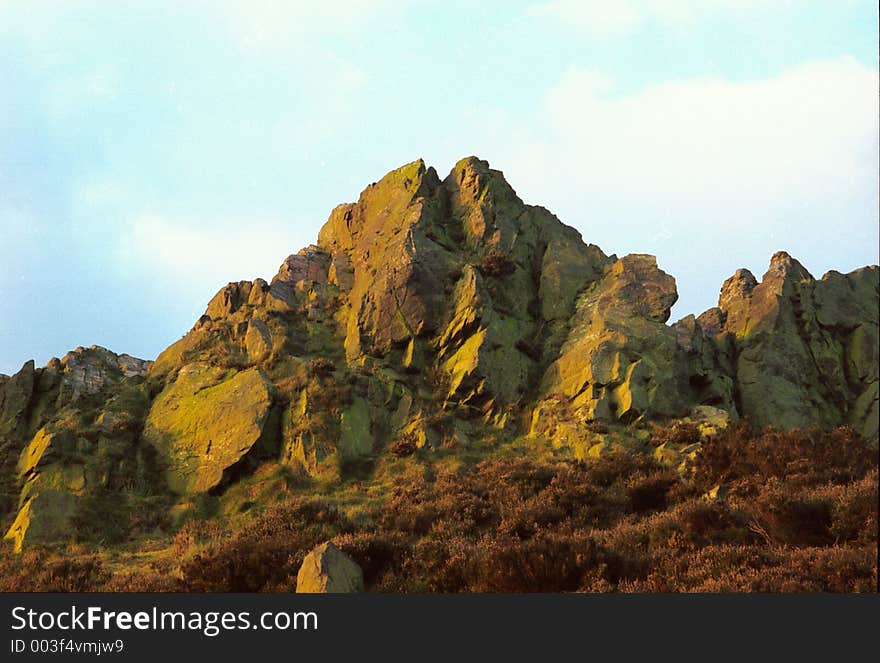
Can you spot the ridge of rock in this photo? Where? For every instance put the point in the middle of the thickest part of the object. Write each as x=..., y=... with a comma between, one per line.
x=430, y=313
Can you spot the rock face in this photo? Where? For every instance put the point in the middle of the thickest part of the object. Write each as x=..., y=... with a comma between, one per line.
x=620, y=359
x=431, y=312
x=801, y=350
x=204, y=422
x=328, y=570
x=68, y=432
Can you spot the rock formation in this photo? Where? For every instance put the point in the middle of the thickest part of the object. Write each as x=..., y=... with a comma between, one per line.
x=68, y=433
x=204, y=422
x=800, y=350
x=328, y=570
x=433, y=312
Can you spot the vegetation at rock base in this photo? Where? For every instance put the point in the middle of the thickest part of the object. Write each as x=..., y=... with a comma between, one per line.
x=796, y=511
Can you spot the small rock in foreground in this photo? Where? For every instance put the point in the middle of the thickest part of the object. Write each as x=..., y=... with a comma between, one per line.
x=328, y=570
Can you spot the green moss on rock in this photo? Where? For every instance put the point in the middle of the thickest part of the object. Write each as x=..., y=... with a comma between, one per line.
x=205, y=422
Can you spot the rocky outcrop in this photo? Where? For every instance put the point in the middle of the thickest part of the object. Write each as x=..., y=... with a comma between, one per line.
x=205, y=422
x=801, y=351
x=431, y=313
x=68, y=431
x=15, y=397
x=394, y=259
x=328, y=570
x=620, y=360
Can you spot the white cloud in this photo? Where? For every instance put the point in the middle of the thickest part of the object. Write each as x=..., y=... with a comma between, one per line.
x=807, y=133
x=709, y=174
x=267, y=25
x=603, y=19
x=197, y=259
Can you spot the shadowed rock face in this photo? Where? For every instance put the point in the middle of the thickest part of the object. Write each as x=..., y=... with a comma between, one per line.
x=801, y=350
x=434, y=312
x=328, y=570
x=67, y=431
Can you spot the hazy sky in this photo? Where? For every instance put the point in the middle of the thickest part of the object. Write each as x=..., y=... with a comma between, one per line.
x=152, y=151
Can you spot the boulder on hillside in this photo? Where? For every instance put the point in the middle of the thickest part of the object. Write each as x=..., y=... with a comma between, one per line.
x=328, y=570
x=204, y=422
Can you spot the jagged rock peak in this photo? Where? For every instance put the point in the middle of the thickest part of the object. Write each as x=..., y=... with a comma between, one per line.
x=381, y=204
x=472, y=192
x=737, y=287
x=472, y=178
x=783, y=266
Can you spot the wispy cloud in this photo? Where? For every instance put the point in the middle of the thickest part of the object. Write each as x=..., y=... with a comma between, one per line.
x=194, y=259
x=709, y=173
x=265, y=26
x=609, y=20
x=808, y=133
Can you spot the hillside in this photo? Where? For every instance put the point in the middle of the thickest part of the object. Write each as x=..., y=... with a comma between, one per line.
x=446, y=339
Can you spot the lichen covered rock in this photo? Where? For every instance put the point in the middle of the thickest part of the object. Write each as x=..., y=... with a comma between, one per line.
x=620, y=360
x=69, y=432
x=803, y=351
x=205, y=421
x=44, y=518
x=328, y=570
x=431, y=313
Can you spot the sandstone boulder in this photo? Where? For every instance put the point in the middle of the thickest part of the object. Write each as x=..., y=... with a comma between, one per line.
x=205, y=422
x=328, y=570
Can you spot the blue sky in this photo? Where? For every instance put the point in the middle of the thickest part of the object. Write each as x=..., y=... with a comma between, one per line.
x=151, y=151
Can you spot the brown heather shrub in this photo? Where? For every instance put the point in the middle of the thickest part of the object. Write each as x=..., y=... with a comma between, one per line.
x=798, y=514
x=800, y=457
x=40, y=570
x=679, y=433
x=650, y=492
x=545, y=562
x=791, y=518
x=194, y=533
x=377, y=553
x=854, y=510
x=496, y=263
x=403, y=446
x=757, y=569
x=623, y=523
x=142, y=581
x=321, y=367
x=264, y=554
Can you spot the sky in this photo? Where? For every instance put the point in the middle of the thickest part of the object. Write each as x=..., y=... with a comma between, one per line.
x=152, y=151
